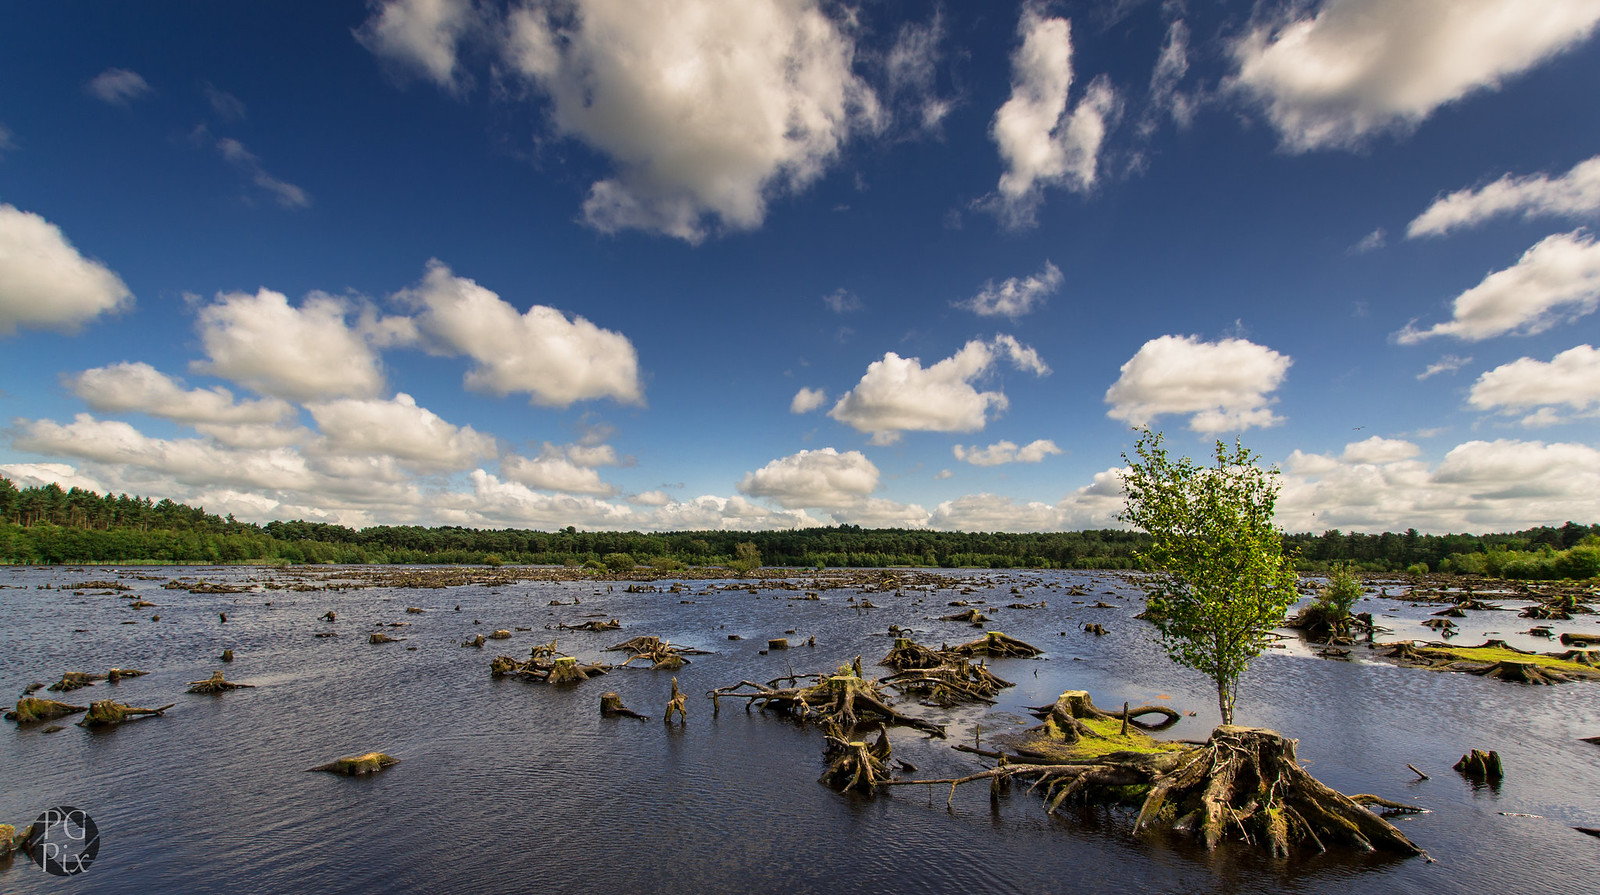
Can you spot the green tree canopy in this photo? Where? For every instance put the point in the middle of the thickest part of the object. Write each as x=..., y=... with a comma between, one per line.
x=1222, y=581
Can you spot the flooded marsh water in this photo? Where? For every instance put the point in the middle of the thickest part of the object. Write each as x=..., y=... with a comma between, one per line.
x=505, y=786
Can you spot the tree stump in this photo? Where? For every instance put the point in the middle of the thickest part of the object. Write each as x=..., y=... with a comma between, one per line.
x=30, y=710
x=476, y=641
x=358, y=765
x=565, y=671
x=778, y=643
x=854, y=765
x=611, y=707
x=500, y=634
x=970, y=616
x=678, y=703
x=1480, y=765
x=106, y=712
x=216, y=684
x=908, y=654
x=380, y=637
x=227, y=655
x=117, y=674
x=74, y=680
x=997, y=645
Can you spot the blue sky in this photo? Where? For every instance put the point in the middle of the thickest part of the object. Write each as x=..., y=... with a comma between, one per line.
x=767, y=263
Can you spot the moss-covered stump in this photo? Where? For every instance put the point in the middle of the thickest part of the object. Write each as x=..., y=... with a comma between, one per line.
x=854, y=765
x=106, y=712
x=844, y=699
x=380, y=637
x=216, y=684
x=1321, y=623
x=31, y=710
x=908, y=654
x=9, y=840
x=1480, y=765
x=117, y=674
x=677, y=703
x=500, y=634
x=997, y=645
x=611, y=707
x=358, y=765
x=955, y=681
x=1244, y=783
x=1500, y=660
x=227, y=655
x=1077, y=704
x=476, y=641
x=75, y=680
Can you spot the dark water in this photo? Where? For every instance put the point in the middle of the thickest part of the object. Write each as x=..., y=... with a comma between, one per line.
x=512, y=787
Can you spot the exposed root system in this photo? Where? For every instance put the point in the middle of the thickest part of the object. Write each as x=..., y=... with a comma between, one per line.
x=996, y=645
x=1244, y=783
x=844, y=699
x=677, y=704
x=854, y=764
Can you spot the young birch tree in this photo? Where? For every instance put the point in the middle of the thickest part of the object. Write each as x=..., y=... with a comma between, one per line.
x=1222, y=581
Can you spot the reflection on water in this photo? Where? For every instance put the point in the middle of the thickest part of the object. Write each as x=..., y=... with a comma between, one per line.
x=512, y=787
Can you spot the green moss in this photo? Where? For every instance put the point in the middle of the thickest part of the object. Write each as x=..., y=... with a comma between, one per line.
x=1490, y=655
x=1048, y=741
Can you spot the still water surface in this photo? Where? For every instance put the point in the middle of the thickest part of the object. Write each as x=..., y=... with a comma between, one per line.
x=506, y=786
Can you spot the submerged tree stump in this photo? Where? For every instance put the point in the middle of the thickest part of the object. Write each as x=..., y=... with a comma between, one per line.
x=117, y=674
x=1480, y=765
x=955, y=681
x=853, y=765
x=380, y=637
x=358, y=765
x=105, y=712
x=970, y=616
x=227, y=655
x=611, y=707
x=679, y=703
x=476, y=641
x=30, y=710
x=659, y=653
x=844, y=699
x=216, y=684
x=997, y=645
x=908, y=654
x=75, y=680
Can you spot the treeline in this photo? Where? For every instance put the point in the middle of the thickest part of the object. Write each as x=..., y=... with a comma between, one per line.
x=50, y=525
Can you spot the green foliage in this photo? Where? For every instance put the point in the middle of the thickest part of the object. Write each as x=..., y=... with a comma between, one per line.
x=1342, y=591
x=1417, y=568
x=746, y=558
x=619, y=562
x=1222, y=581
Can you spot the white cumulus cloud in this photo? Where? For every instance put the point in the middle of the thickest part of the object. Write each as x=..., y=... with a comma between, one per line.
x=707, y=108
x=1553, y=282
x=398, y=428
x=1015, y=296
x=1573, y=194
x=1226, y=385
x=898, y=394
x=820, y=478
x=1335, y=73
x=807, y=400
x=45, y=283
x=139, y=387
x=262, y=342
x=1041, y=142
x=1002, y=452
x=1571, y=378
x=556, y=360
x=1479, y=486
